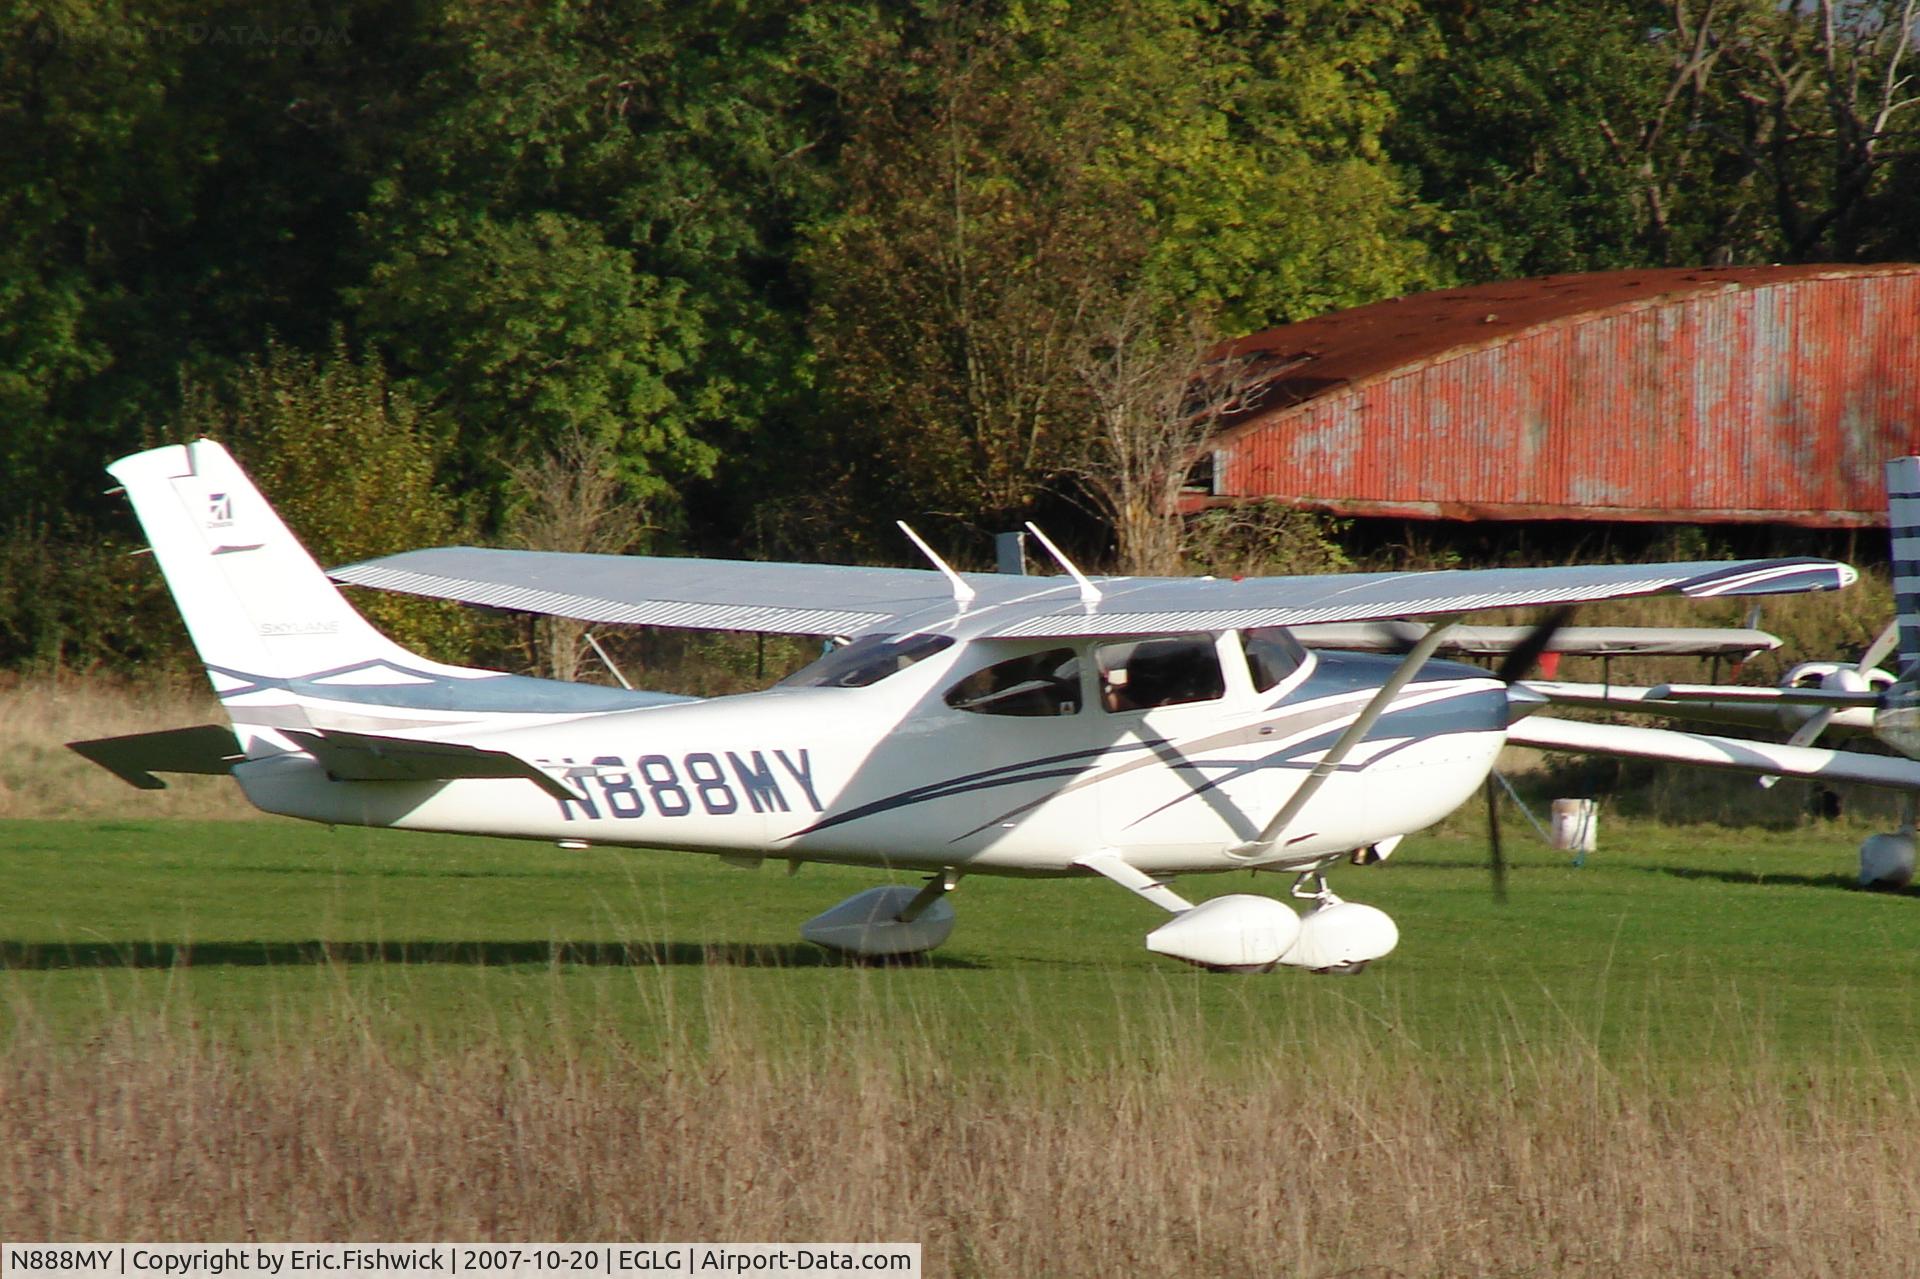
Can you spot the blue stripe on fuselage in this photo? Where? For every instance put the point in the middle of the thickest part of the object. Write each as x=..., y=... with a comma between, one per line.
x=1335, y=674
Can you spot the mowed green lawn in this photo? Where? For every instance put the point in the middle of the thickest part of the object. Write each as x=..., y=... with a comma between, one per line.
x=1673, y=945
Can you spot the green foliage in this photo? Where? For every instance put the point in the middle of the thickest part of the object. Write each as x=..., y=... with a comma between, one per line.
x=74, y=602
x=1014, y=177
x=1256, y=539
x=589, y=231
x=349, y=462
x=1261, y=171
x=1507, y=126
x=805, y=266
x=73, y=103
x=177, y=178
x=1631, y=133
x=531, y=330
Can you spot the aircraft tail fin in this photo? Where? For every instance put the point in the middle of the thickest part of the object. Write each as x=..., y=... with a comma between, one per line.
x=1903, y=522
x=277, y=638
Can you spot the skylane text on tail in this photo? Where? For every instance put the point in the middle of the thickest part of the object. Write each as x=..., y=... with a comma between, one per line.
x=1136, y=729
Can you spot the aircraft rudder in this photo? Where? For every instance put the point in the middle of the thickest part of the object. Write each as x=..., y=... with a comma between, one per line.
x=255, y=603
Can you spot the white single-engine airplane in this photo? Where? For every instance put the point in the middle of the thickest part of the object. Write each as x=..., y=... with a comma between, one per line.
x=1132, y=728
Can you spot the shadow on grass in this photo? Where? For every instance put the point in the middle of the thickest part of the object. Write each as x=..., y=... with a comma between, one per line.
x=483, y=954
x=1773, y=878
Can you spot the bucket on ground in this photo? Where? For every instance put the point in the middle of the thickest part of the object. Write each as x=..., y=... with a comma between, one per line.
x=1576, y=825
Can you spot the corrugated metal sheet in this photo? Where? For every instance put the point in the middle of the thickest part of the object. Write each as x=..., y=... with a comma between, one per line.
x=1752, y=394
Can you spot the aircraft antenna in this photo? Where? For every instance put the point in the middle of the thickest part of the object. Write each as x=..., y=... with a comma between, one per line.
x=1089, y=593
x=962, y=593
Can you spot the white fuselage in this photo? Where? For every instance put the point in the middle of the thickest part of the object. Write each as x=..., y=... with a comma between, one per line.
x=890, y=774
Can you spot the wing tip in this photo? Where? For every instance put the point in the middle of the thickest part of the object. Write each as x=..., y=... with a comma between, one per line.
x=1772, y=577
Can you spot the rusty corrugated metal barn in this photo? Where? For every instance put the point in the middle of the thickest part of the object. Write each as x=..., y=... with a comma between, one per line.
x=1714, y=394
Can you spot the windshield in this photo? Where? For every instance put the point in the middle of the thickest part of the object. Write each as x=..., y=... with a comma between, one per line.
x=867, y=660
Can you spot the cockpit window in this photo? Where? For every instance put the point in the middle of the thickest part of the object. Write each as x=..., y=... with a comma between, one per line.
x=1159, y=672
x=867, y=660
x=1272, y=655
x=1037, y=684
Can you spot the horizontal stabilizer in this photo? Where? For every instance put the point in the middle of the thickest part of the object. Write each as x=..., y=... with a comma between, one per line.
x=368, y=757
x=1737, y=754
x=136, y=757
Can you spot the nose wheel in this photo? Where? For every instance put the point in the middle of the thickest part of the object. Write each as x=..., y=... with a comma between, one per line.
x=1311, y=886
x=1337, y=936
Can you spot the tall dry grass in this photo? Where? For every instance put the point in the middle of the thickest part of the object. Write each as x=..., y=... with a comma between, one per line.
x=1342, y=1156
x=40, y=777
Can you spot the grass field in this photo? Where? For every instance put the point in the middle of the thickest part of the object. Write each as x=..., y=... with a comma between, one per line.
x=1691, y=1056
x=1671, y=943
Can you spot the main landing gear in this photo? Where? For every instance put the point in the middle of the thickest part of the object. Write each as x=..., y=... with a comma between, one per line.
x=1886, y=861
x=1239, y=932
x=889, y=922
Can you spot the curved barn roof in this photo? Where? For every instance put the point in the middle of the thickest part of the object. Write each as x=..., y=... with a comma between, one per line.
x=1731, y=393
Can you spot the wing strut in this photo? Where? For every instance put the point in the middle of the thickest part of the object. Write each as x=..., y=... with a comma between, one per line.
x=1262, y=845
x=1122, y=872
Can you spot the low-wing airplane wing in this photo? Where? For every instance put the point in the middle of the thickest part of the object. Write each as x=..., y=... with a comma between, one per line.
x=1759, y=707
x=1776, y=759
x=812, y=599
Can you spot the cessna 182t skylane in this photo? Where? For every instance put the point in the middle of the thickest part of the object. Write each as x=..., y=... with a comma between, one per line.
x=1131, y=728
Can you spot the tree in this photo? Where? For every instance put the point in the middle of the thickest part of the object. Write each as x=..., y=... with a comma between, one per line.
x=1827, y=98
x=1156, y=395
x=175, y=182
x=535, y=330
x=349, y=462
x=1676, y=132
x=590, y=230
x=570, y=498
x=1013, y=180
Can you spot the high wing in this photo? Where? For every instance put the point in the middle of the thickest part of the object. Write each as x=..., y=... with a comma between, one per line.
x=1738, y=643
x=817, y=599
x=649, y=590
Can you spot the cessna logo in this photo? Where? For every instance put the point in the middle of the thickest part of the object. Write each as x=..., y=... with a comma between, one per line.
x=219, y=510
